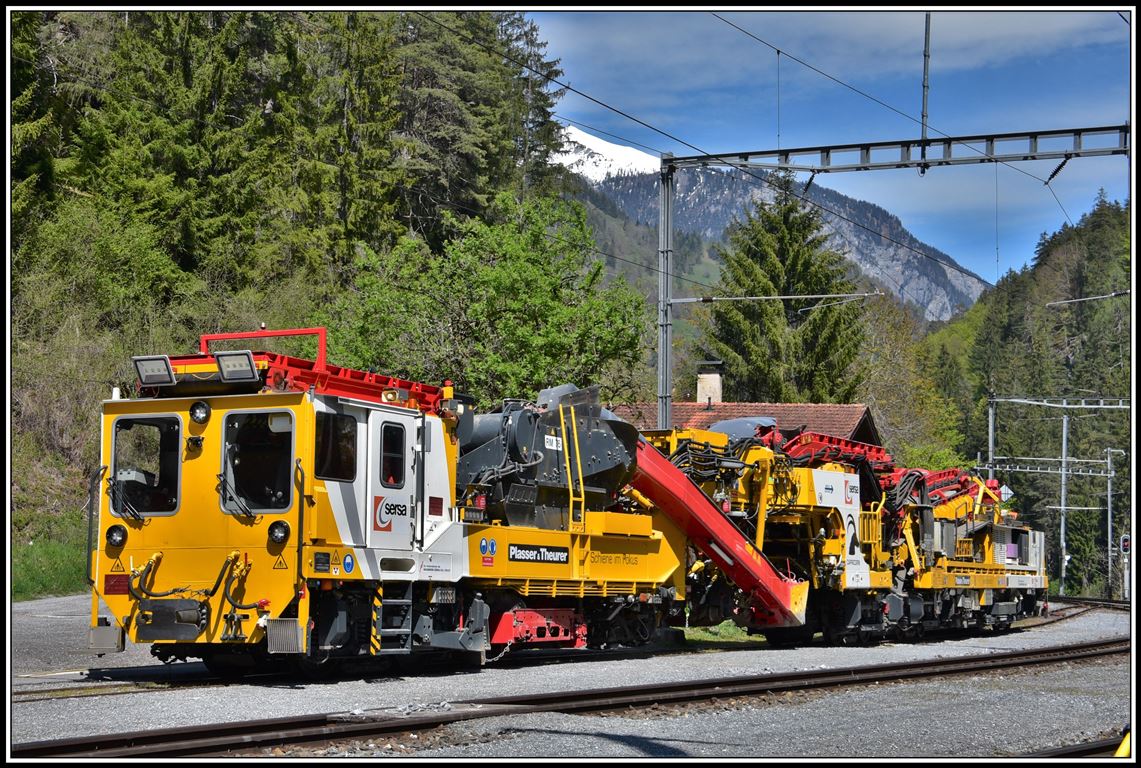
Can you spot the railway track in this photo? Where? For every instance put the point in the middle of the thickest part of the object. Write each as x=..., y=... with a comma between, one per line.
x=195, y=676
x=1099, y=748
x=1096, y=602
x=156, y=678
x=229, y=738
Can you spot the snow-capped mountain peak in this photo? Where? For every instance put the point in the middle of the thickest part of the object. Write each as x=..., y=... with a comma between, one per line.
x=596, y=159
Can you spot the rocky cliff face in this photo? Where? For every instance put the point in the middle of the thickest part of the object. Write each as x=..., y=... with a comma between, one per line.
x=707, y=200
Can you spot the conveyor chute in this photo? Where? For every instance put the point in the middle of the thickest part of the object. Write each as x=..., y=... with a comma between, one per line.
x=776, y=600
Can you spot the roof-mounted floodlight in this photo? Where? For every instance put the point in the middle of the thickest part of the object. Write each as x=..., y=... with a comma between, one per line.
x=236, y=366
x=154, y=370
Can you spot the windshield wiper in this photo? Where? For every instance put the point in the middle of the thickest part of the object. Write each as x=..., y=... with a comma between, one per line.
x=227, y=495
x=119, y=501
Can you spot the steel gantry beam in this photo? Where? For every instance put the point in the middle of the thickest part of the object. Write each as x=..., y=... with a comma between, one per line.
x=916, y=153
x=1097, y=403
x=1044, y=470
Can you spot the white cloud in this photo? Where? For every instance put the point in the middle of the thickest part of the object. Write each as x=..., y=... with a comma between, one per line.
x=694, y=76
x=685, y=51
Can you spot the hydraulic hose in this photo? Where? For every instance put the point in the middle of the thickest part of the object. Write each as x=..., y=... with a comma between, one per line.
x=225, y=566
x=229, y=582
x=154, y=561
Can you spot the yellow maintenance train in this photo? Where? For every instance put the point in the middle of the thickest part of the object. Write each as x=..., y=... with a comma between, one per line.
x=253, y=506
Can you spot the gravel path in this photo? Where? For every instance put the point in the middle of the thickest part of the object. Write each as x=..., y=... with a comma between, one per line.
x=992, y=714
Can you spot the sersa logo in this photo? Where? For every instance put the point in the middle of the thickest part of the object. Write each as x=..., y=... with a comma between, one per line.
x=382, y=513
x=851, y=490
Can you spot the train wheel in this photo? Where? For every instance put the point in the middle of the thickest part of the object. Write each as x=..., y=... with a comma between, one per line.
x=845, y=636
x=316, y=669
x=787, y=637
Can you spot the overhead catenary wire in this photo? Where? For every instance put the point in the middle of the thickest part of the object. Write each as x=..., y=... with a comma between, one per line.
x=862, y=93
x=903, y=291
x=997, y=266
x=460, y=207
x=683, y=142
x=1089, y=298
x=898, y=111
x=606, y=133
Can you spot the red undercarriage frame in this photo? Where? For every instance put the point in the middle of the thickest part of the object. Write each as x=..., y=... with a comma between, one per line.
x=562, y=626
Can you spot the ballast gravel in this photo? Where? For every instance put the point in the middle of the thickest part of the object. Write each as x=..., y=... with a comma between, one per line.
x=978, y=716
x=991, y=714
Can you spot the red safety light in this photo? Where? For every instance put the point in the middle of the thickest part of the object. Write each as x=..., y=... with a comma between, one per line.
x=263, y=604
x=726, y=506
x=885, y=609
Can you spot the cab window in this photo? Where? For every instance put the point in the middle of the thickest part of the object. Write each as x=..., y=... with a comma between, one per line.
x=335, y=451
x=258, y=461
x=392, y=456
x=145, y=467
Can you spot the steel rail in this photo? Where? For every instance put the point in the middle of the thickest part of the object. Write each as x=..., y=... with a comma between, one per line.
x=220, y=738
x=1099, y=748
x=738, y=686
x=157, y=678
x=1096, y=602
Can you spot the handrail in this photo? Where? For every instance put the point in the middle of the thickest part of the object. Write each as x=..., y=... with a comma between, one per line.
x=301, y=521
x=92, y=514
x=204, y=341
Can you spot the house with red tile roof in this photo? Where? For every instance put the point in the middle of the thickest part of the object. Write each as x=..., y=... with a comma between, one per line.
x=849, y=421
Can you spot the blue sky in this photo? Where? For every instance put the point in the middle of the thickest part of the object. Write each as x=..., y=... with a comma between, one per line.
x=692, y=75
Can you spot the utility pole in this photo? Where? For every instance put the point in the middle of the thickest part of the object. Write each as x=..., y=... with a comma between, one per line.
x=926, y=64
x=990, y=440
x=1065, y=440
x=869, y=156
x=1109, y=519
x=665, y=290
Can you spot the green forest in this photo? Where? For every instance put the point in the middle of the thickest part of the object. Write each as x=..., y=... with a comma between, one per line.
x=387, y=175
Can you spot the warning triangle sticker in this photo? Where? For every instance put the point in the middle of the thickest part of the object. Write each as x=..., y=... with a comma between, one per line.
x=117, y=567
x=280, y=564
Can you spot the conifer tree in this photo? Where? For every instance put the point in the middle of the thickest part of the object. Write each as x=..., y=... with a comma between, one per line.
x=792, y=350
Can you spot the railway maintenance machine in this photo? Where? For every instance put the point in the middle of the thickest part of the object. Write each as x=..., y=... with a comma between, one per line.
x=253, y=507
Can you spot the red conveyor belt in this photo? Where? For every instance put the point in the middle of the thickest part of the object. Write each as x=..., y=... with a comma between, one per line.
x=778, y=601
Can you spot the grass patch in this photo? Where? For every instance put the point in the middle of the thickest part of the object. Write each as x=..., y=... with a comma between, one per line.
x=724, y=632
x=48, y=531
x=49, y=567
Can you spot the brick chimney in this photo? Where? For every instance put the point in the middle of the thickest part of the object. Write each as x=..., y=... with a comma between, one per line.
x=709, y=382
